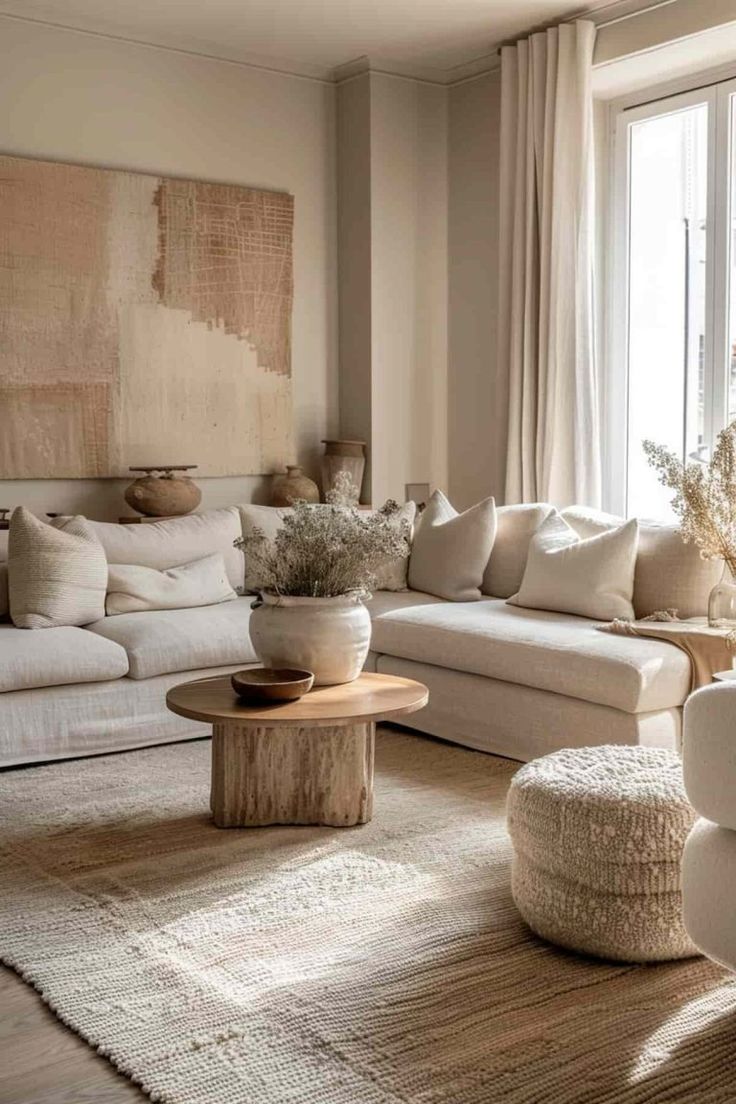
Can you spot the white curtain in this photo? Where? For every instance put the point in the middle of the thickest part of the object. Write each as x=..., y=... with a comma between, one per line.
x=546, y=335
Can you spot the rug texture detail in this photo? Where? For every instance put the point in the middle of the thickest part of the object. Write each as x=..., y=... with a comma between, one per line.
x=384, y=964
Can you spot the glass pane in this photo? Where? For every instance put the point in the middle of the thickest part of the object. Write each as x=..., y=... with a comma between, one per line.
x=732, y=274
x=667, y=225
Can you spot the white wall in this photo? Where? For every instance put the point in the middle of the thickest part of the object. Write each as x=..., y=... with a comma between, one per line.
x=478, y=391
x=74, y=97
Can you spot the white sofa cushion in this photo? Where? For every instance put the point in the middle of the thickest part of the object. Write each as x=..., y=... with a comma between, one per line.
x=549, y=651
x=57, y=574
x=590, y=577
x=56, y=657
x=182, y=640
x=515, y=527
x=176, y=541
x=133, y=589
x=669, y=573
x=451, y=550
x=709, y=752
x=709, y=891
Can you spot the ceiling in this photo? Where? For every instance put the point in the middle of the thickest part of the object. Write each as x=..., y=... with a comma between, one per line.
x=314, y=37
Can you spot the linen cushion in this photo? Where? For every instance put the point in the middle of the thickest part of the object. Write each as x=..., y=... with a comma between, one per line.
x=709, y=752
x=451, y=550
x=56, y=657
x=669, y=573
x=269, y=519
x=709, y=890
x=515, y=527
x=548, y=651
x=592, y=577
x=176, y=541
x=57, y=574
x=132, y=588
x=159, y=641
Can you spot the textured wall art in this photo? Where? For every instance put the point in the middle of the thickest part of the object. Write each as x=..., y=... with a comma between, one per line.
x=143, y=320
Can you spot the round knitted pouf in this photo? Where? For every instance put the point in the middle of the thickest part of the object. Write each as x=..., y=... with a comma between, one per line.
x=598, y=835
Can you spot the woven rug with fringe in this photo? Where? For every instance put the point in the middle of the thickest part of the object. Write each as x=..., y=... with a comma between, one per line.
x=384, y=964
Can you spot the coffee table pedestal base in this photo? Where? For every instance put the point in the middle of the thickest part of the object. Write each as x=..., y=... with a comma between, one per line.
x=292, y=775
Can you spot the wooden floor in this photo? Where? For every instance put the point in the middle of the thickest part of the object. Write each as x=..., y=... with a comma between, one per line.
x=43, y=1062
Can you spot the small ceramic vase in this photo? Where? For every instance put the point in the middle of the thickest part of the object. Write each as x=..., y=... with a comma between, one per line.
x=162, y=493
x=293, y=487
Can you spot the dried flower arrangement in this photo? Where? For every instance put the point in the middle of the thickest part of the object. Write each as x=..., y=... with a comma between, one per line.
x=322, y=551
x=705, y=496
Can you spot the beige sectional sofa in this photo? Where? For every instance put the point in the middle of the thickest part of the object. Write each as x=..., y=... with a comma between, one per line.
x=503, y=679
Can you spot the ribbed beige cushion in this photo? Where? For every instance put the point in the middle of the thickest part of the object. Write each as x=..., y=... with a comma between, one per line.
x=57, y=573
x=132, y=588
x=269, y=519
x=451, y=550
x=598, y=835
x=591, y=577
x=160, y=641
x=56, y=658
x=515, y=527
x=669, y=573
x=176, y=541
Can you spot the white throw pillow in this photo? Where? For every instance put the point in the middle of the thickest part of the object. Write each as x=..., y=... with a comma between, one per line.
x=175, y=541
x=669, y=573
x=269, y=519
x=591, y=578
x=451, y=550
x=132, y=588
x=57, y=573
x=515, y=527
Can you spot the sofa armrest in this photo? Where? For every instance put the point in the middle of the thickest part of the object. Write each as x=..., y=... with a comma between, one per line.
x=709, y=752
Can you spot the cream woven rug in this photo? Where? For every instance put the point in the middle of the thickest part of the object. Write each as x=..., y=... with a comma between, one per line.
x=377, y=965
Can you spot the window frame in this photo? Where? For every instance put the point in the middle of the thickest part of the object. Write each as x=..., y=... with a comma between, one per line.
x=716, y=89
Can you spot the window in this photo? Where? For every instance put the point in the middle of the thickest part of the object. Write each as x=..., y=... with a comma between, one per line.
x=673, y=351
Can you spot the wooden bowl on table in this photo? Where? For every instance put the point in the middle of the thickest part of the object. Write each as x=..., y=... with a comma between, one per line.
x=272, y=684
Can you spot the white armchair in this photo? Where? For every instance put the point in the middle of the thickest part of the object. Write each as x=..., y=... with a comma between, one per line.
x=709, y=860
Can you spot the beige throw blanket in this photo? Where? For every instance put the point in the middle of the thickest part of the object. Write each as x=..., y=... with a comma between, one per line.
x=710, y=650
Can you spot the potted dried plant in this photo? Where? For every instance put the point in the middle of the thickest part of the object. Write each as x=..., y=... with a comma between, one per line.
x=705, y=503
x=313, y=579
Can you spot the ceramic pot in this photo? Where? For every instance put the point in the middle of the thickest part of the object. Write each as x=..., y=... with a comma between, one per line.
x=722, y=600
x=293, y=487
x=162, y=493
x=328, y=636
x=343, y=456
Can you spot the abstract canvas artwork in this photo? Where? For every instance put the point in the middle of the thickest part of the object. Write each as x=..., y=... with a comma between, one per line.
x=143, y=320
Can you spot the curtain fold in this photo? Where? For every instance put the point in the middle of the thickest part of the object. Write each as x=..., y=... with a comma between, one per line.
x=546, y=251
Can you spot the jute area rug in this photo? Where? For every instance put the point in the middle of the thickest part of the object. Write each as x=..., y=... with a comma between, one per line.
x=377, y=965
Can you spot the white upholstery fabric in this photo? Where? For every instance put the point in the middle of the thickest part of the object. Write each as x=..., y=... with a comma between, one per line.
x=182, y=640
x=669, y=573
x=515, y=526
x=709, y=890
x=520, y=722
x=592, y=577
x=550, y=651
x=61, y=722
x=132, y=588
x=176, y=541
x=598, y=835
x=709, y=752
x=57, y=574
x=451, y=550
x=55, y=657
x=392, y=576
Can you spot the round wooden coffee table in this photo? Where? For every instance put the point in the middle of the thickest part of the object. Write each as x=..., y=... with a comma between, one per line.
x=303, y=762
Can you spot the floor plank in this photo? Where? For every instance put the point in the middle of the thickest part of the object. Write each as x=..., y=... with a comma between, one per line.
x=43, y=1062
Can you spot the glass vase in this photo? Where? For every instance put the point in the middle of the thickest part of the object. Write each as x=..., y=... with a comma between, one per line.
x=722, y=600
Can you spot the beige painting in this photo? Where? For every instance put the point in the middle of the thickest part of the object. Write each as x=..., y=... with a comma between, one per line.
x=143, y=320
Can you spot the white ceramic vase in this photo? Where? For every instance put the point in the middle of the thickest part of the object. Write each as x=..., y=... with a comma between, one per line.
x=328, y=636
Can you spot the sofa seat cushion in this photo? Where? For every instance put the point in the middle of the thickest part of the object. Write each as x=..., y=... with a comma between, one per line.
x=56, y=657
x=160, y=641
x=548, y=651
